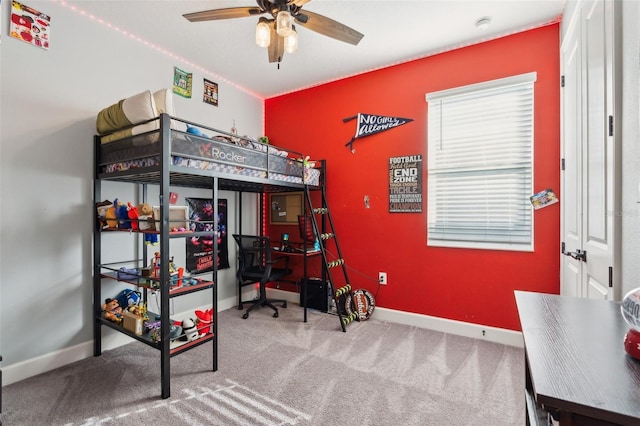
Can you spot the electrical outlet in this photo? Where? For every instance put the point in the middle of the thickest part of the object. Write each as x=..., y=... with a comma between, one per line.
x=382, y=278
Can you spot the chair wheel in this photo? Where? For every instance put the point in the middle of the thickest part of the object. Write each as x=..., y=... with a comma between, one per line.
x=275, y=315
x=284, y=305
x=245, y=316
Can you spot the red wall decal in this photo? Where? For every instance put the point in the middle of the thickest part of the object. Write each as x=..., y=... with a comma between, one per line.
x=473, y=286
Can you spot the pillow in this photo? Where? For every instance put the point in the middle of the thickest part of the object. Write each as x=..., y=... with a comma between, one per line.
x=164, y=102
x=132, y=110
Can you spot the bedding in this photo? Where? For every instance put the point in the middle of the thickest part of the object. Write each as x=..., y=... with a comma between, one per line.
x=134, y=116
x=127, y=112
x=220, y=154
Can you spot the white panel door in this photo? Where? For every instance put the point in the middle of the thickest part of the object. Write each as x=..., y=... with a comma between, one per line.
x=599, y=220
x=571, y=177
x=590, y=222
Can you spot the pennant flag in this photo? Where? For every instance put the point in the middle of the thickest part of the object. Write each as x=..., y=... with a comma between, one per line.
x=370, y=124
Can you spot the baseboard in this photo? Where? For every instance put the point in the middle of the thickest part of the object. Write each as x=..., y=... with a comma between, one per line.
x=459, y=328
x=112, y=339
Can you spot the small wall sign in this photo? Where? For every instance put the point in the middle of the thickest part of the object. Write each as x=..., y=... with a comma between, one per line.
x=405, y=184
x=29, y=25
x=370, y=124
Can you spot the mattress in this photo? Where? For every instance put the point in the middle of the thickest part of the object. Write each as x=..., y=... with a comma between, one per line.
x=220, y=154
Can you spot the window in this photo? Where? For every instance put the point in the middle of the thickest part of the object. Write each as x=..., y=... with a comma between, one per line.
x=480, y=165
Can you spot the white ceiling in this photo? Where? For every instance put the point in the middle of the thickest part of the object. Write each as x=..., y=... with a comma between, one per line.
x=394, y=32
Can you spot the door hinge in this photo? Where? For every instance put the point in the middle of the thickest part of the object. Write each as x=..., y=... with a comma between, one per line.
x=610, y=277
x=562, y=247
x=611, y=125
x=562, y=164
x=562, y=81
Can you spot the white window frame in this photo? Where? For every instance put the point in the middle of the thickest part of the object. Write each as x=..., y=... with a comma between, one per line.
x=480, y=173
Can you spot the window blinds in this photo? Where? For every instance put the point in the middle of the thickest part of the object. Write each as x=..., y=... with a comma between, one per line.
x=480, y=165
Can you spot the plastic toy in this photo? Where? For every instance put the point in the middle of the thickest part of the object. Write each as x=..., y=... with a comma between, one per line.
x=139, y=310
x=156, y=265
x=112, y=310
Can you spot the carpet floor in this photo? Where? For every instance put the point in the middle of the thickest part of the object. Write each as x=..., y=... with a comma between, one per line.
x=282, y=371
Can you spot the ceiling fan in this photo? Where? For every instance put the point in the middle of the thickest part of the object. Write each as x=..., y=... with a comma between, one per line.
x=278, y=33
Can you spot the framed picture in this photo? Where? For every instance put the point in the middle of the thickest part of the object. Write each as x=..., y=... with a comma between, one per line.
x=284, y=209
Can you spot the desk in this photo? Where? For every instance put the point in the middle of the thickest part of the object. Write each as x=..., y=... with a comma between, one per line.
x=575, y=363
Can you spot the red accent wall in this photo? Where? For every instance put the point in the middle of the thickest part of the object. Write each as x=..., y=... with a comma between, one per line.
x=474, y=286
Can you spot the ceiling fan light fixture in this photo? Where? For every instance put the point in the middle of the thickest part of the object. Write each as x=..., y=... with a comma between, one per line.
x=291, y=41
x=263, y=33
x=284, y=23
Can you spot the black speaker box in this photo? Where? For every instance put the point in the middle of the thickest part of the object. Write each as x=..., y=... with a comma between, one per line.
x=317, y=294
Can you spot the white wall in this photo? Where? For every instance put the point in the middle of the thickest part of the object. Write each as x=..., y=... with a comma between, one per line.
x=48, y=107
x=630, y=145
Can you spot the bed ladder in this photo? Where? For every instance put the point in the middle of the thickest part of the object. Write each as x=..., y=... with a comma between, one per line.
x=337, y=279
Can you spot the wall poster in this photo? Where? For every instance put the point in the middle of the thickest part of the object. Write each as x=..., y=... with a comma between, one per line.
x=210, y=95
x=405, y=184
x=182, y=82
x=200, y=249
x=29, y=25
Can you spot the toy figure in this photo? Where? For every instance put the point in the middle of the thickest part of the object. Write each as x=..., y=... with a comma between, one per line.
x=102, y=208
x=122, y=214
x=145, y=217
x=139, y=310
x=112, y=310
x=132, y=213
x=189, y=329
x=110, y=216
x=128, y=297
x=146, y=223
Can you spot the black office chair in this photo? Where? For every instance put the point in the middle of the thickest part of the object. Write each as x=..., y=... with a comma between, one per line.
x=255, y=265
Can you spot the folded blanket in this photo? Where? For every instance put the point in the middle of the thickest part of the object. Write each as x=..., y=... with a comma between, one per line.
x=127, y=112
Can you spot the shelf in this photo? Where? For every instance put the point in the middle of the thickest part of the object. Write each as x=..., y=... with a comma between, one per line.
x=179, y=346
x=172, y=234
x=153, y=284
x=175, y=346
x=144, y=338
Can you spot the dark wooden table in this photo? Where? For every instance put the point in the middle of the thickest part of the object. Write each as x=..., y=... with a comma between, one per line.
x=576, y=365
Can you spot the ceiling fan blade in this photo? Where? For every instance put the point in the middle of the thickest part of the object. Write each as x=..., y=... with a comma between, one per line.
x=328, y=27
x=276, y=47
x=227, y=13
